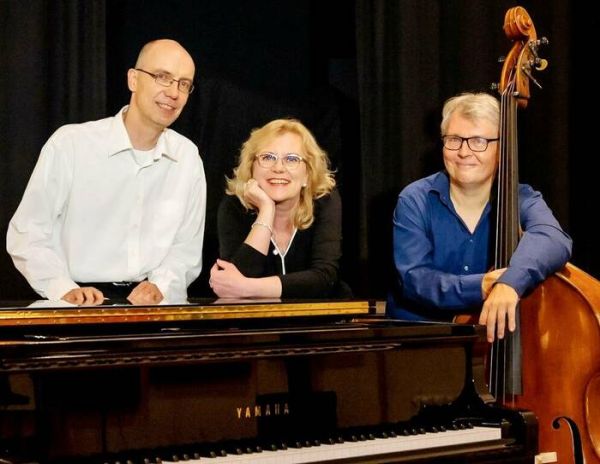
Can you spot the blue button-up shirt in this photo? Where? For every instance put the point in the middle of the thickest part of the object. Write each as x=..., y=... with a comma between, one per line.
x=440, y=264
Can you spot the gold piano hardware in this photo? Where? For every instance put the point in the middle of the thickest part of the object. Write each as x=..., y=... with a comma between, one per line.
x=130, y=314
x=275, y=409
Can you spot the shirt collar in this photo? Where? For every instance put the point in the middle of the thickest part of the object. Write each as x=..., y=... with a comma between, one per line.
x=441, y=185
x=119, y=139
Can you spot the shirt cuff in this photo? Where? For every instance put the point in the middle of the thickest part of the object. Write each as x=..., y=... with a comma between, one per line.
x=517, y=279
x=59, y=288
x=471, y=289
x=170, y=286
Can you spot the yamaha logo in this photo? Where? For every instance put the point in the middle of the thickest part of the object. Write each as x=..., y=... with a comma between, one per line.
x=265, y=410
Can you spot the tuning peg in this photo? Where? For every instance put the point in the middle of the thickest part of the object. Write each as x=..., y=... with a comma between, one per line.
x=501, y=59
x=531, y=78
x=541, y=64
x=494, y=86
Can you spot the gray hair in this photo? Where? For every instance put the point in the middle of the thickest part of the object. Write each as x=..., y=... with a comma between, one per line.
x=472, y=106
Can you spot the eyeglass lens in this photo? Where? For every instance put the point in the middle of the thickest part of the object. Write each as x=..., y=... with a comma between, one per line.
x=289, y=160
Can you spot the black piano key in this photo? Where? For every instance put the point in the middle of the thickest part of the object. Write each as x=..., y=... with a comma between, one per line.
x=271, y=447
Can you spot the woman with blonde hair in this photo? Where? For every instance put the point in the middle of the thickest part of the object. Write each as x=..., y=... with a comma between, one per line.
x=279, y=225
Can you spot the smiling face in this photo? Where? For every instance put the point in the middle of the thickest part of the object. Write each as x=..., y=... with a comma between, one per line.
x=469, y=169
x=282, y=184
x=154, y=104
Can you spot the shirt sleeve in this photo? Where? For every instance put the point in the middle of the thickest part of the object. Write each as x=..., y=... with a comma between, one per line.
x=33, y=230
x=420, y=281
x=544, y=247
x=233, y=224
x=321, y=278
x=183, y=262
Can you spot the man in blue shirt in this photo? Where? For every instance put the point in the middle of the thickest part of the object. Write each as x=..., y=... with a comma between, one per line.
x=442, y=230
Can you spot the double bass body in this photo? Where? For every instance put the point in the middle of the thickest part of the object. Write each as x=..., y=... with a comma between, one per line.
x=560, y=326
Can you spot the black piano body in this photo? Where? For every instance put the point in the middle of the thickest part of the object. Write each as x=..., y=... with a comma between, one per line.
x=204, y=381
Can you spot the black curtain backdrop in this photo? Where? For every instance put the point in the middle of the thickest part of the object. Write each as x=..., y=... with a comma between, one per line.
x=368, y=77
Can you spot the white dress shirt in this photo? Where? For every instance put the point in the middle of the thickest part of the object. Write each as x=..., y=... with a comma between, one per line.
x=95, y=211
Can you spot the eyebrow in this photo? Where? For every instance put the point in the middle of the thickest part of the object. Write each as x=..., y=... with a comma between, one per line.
x=168, y=73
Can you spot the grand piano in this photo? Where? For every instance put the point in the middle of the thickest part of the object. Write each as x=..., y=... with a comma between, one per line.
x=246, y=381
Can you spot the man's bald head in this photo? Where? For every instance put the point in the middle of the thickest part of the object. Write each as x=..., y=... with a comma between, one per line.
x=153, y=50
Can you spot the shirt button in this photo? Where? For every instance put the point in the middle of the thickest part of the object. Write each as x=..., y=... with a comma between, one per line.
x=466, y=268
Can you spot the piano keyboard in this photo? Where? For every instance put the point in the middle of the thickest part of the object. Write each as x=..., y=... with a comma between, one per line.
x=322, y=452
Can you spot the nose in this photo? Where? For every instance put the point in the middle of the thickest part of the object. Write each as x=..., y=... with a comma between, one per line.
x=278, y=166
x=172, y=91
x=464, y=149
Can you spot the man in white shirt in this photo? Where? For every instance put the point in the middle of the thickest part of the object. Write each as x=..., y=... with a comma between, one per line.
x=120, y=202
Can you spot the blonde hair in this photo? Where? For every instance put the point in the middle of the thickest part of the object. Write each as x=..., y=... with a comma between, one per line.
x=472, y=106
x=320, y=177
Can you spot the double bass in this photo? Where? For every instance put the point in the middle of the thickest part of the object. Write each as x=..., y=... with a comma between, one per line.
x=551, y=363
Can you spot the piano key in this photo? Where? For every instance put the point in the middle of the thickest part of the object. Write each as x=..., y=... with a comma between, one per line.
x=352, y=449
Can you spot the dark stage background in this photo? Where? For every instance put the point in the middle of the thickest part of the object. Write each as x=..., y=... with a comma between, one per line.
x=368, y=77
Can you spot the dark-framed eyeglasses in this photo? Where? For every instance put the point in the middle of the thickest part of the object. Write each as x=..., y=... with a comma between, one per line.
x=269, y=159
x=454, y=142
x=184, y=85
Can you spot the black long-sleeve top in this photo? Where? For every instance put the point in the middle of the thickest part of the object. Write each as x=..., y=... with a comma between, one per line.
x=312, y=258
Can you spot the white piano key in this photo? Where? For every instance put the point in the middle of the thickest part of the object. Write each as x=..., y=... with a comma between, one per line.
x=326, y=452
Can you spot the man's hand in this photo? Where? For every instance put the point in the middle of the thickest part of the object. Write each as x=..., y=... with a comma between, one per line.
x=499, y=306
x=145, y=293
x=85, y=296
x=489, y=280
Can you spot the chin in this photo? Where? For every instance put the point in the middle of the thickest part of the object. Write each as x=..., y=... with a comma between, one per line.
x=281, y=199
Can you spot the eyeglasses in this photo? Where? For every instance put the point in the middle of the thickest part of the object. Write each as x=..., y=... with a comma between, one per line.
x=184, y=85
x=269, y=159
x=455, y=142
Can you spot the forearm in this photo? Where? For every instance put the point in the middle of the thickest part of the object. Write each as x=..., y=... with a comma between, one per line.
x=263, y=287
x=30, y=239
x=180, y=267
x=542, y=251
x=183, y=262
x=312, y=283
x=41, y=265
x=442, y=290
x=261, y=231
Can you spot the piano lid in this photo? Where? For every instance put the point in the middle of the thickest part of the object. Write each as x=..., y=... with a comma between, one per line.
x=41, y=313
